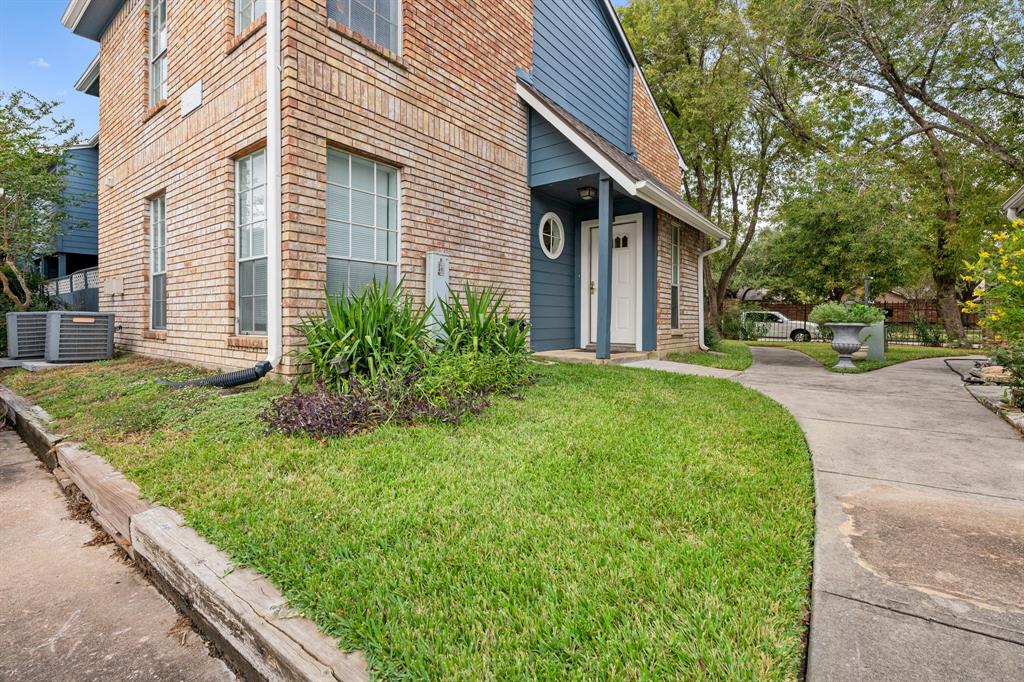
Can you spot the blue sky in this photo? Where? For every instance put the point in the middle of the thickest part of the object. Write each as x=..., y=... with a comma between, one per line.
x=39, y=55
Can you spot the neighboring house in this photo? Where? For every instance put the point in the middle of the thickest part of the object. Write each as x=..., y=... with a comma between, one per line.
x=1014, y=206
x=76, y=248
x=493, y=133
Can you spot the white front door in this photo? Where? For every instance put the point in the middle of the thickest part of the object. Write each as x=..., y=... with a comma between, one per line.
x=625, y=278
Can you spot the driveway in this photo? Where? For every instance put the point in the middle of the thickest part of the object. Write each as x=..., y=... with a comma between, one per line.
x=919, y=552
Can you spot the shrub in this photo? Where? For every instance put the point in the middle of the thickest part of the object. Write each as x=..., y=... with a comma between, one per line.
x=1012, y=358
x=711, y=337
x=1000, y=266
x=736, y=326
x=841, y=312
x=373, y=335
x=450, y=387
x=927, y=333
x=478, y=322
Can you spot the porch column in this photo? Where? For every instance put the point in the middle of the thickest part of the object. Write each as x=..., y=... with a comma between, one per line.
x=604, y=268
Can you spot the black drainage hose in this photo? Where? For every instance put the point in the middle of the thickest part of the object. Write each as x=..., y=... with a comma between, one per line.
x=229, y=380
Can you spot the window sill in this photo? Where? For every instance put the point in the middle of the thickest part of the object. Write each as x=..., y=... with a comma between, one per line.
x=154, y=110
x=244, y=342
x=154, y=334
x=236, y=41
x=363, y=41
x=676, y=333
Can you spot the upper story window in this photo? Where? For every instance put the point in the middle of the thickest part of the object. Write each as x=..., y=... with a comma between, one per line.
x=362, y=223
x=157, y=51
x=378, y=20
x=248, y=11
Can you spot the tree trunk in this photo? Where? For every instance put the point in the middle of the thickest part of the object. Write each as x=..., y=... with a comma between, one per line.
x=949, y=310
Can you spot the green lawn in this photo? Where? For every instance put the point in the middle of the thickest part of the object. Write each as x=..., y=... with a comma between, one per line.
x=613, y=524
x=726, y=355
x=823, y=353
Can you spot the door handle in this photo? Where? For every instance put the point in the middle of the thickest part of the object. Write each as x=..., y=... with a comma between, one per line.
x=591, y=287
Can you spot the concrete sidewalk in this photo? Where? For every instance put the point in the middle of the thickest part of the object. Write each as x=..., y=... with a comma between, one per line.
x=70, y=610
x=919, y=551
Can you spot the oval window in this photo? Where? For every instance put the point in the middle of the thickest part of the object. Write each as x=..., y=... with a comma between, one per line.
x=552, y=235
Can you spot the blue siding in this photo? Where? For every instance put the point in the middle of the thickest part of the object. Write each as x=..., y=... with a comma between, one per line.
x=553, y=297
x=553, y=157
x=580, y=63
x=82, y=185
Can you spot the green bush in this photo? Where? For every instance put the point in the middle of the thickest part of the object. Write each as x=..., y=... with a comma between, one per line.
x=711, y=337
x=736, y=326
x=927, y=333
x=478, y=322
x=843, y=313
x=1012, y=358
x=374, y=335
x=458, y=376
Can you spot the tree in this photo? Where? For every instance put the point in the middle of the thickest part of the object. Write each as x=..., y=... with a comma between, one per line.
x=913, y=80
x=847, y=221
x=697, y=57
x=33, y=164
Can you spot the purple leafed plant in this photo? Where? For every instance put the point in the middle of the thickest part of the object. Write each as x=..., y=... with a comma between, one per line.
x=323, y=413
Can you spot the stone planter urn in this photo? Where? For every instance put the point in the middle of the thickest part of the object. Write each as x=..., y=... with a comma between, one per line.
x=845, y=341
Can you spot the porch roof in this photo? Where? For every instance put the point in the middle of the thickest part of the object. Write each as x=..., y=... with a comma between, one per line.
x=628, y=174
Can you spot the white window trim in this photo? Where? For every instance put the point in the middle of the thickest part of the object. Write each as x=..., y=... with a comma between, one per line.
x=551, y=215
x=675, y=279
x=238, y=14
x=397, y=264
x=400, y=33
x=154, y=96
x=153, y=271
x=237, y=251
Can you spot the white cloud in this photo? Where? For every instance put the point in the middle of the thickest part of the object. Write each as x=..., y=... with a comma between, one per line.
x=40, y=63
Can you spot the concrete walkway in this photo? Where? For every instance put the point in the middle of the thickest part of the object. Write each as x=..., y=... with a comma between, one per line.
x=70, y=610
x=919, y=549
x=919, y=552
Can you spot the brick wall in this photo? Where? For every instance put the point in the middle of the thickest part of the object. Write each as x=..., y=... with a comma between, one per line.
x=655, y=149
x=691, y=243
x=146, y=151
x=444, y=112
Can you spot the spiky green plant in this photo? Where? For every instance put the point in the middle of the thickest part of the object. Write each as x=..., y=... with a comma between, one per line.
x=373, y=335
x=479, y=322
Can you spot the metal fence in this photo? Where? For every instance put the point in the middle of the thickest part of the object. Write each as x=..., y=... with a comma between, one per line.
x=77, y=291
x=915, y=323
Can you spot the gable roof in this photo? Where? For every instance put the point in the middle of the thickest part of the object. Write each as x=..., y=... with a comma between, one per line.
x=628, y=174
x=89, y=18
x=1015, y=204
x=643, y=79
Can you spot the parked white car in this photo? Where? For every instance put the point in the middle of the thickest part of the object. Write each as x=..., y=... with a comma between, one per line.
x=776, y=326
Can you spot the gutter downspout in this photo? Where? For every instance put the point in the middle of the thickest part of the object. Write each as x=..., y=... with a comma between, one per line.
x=275, y=331
x=700, y=290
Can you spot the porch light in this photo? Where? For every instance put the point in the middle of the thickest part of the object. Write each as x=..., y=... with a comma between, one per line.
x=587, y=193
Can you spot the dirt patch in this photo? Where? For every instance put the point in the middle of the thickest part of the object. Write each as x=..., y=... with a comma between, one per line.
x=943, y=544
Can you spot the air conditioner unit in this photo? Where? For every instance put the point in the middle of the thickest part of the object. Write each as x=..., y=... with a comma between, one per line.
x=73, y=336
x=26, y=335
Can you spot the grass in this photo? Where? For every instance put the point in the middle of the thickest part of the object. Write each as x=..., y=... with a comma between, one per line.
x=726, y=355
x=612, y=524
x=823, y=353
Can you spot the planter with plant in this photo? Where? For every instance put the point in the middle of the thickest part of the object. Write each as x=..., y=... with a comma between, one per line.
x=846, y=323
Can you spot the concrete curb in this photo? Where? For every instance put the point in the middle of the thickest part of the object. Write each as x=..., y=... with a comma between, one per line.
x=993, y=402
x=245, y=617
